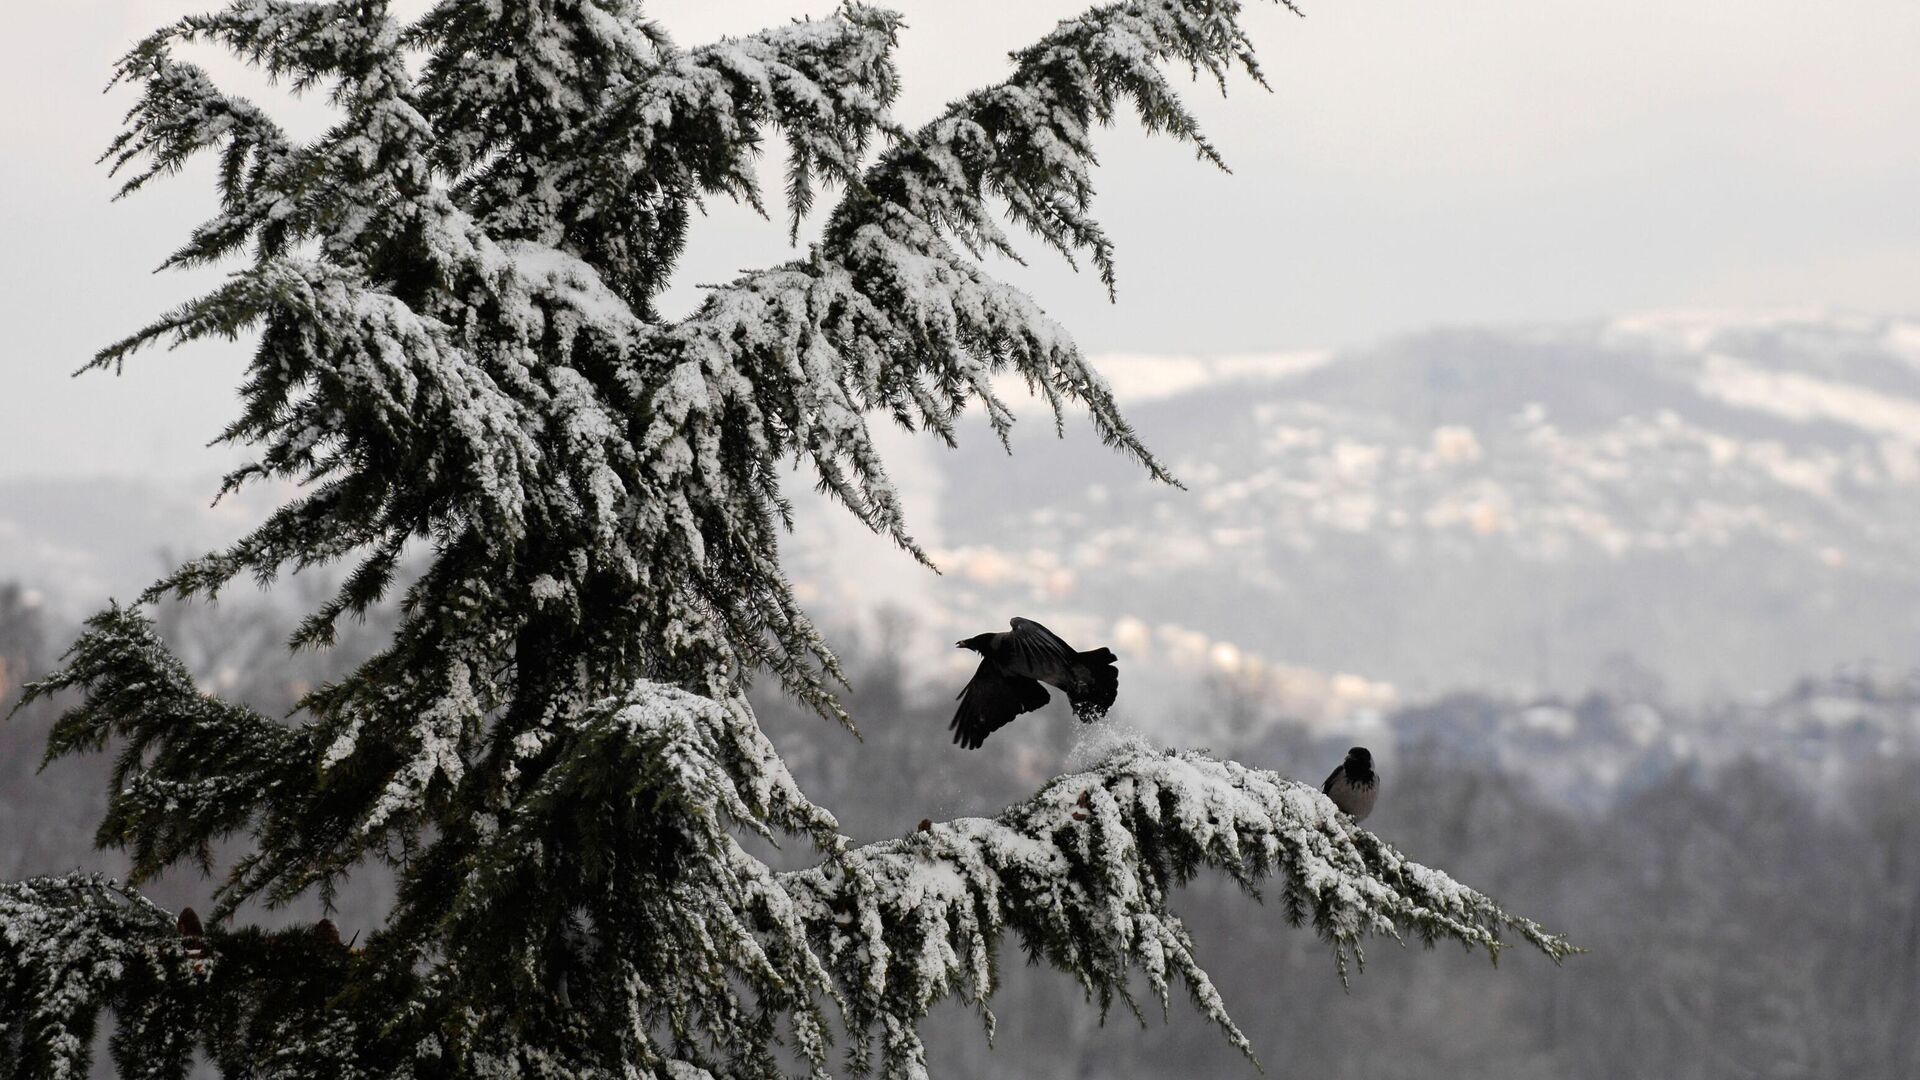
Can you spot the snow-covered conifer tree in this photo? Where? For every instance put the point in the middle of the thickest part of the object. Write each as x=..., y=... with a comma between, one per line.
x=460, y=355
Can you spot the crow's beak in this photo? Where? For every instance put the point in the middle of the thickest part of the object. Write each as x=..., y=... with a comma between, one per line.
x=959, y=644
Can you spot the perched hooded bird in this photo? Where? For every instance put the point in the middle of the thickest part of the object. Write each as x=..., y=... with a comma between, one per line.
x=1014, y=664
x=326, y=933
x=188, y=924
x=1354, y=785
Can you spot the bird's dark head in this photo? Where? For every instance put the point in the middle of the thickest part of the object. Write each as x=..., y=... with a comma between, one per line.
x=978, y=643
x=1360, y=760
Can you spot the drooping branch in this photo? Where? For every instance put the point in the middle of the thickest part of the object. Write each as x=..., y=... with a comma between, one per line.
x=893, y=312
x=1082, y=873
x=74, y=946
x=191, y=770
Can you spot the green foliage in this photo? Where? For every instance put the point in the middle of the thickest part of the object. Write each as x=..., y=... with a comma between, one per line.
x=191, y=770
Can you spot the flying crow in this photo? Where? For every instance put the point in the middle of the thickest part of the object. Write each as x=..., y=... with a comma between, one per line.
x=1354, y=785
x=1013, y=664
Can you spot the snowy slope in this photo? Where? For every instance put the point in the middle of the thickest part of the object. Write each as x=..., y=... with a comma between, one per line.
x=1731, y=500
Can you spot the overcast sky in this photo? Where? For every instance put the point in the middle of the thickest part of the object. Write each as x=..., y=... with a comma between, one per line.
x=1417, y=164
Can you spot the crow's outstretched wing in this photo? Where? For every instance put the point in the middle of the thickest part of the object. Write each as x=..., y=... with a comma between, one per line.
x=990, y=700
x=1035, y=650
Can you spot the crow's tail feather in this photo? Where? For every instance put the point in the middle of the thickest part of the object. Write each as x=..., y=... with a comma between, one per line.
x=1096, y=682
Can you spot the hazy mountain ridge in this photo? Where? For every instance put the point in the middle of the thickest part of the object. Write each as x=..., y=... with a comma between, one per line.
x=1732, y=501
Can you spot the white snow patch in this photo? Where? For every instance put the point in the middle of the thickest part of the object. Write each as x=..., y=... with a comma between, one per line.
x=1138, y=377
x=1696, y=329
x=1103, y=740
x=1550, y=720
x=1903, y=339
x=1806, y=399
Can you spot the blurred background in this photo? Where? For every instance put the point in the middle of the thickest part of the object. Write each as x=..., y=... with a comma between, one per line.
x=1545, y=384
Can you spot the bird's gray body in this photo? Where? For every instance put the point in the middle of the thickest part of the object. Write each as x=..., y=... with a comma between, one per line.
x=1354, y=786
x=1013, y=665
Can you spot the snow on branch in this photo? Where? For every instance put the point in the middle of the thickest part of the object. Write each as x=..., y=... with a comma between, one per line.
x=892, y=312
x=1081, y=873
x=193, y=769
x=75, y=945
x=660, y=782
x=605, y=147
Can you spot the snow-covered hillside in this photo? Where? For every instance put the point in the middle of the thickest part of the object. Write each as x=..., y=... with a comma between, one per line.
x=1733, y=501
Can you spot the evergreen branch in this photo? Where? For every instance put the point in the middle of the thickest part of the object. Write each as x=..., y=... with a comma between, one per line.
x=601, y=149
x=888, y=315
x=301, y=41
x=620, y=855
x=193, y=769
x=256, y=1002
x=618, y=894
x=272, y=192
x=1082, y=873
x=72, y=947
x=180, y=113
